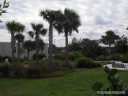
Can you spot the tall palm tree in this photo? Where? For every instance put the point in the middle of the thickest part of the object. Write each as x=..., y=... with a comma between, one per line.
x=11, y=27
x=38, y=30
x=20, y=38
x=51, y=17
x=29, y=46
x=70, y=22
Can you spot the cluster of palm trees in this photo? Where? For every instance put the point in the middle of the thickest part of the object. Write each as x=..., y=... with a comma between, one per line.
x=65, y=22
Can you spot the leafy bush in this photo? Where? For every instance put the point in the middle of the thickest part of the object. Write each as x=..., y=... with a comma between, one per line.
x=4, y=70
x=101, y=58
x=115, y=84
x=34, y=71
x=40, y=56
x=116, y=56
x=125, y=59
x=59, y=56
x=29, y=69
x=85, y=62
x=74, y=55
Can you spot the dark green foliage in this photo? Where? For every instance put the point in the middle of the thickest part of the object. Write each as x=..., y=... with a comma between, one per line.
x=85, y=62
x=74, y=55
x=110, y=38
x=59, y=56
x=75, y=45
x=115, y=83
x=4, y=70
x=40, y=56
x=91, y=48
x=121, y=46
x=125, y=58
x=30, y=69
x=34, y=71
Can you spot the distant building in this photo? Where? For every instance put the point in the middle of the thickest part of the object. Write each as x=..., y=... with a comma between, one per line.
x=5, y=50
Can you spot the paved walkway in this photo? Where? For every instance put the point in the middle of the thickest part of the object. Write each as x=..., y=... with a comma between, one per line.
x=110, y=65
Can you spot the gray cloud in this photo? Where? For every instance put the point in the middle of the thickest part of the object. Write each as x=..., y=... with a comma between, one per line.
x=97, y=16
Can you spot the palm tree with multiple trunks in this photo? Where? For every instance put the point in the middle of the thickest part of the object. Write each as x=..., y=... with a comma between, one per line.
x=13, y=27
x=19, y=37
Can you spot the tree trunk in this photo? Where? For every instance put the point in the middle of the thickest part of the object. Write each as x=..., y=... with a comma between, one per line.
x=13, y=46
x=37, y=50
x=18, y=53
x=28, y=54
x=66, y=53
x=109, y=49
x=50, y=46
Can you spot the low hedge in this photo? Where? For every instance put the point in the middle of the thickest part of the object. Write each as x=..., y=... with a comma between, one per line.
x=85, y=62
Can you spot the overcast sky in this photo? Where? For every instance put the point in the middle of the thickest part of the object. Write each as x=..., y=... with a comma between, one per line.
x=97, y=16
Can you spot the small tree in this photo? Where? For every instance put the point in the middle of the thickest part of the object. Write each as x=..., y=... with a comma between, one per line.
x=121, y=46
x=29, y=46
x=38, y=29
x=109, y=39
x=3, y=7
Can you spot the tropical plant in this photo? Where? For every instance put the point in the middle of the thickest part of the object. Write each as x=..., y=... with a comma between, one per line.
x=109, y=39
x=3, y=7
x=29, y=46
x=69, y=22
x=19, y=37
x=12, y=27
x=51, y=17
x=121, y=46
x=38, y=30
x=115, y=84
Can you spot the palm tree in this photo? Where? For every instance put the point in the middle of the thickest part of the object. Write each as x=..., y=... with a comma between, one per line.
x=20, y=38
x=38, y=30
x=69, y=23
x=109, y=39
x=51, y=17
x=29, y=46
x=11, y=27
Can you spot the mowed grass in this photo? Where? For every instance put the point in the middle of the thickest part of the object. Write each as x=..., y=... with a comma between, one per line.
x=73, y=84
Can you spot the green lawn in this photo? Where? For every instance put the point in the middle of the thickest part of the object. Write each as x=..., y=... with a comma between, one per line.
x=73, y=84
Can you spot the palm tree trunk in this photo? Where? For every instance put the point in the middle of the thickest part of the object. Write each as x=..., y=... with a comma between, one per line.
x=18, y=53
x=12, y=47
x=109, y=49
x=28, y=54
x=50, y=46
x=37, y=50
x=66, y=53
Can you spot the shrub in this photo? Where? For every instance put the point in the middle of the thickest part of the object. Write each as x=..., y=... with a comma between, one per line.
x=61, y=65
x=4, y=70
x=85, y=62
x=125, y=59
x=115, y=84
x=40, y=56
x=74, y=55
x=116, y=56
x=101, y=58
x=34, y=71
x=59, y=56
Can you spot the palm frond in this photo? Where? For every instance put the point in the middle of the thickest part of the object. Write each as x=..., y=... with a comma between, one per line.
x=19, y=37
x=43, y=31
x=31, y=34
